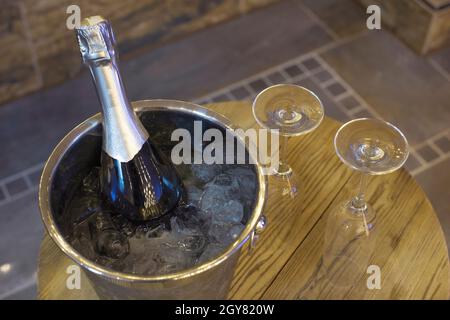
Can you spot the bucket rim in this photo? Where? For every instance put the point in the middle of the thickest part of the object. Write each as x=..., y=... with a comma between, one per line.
x=142, y=105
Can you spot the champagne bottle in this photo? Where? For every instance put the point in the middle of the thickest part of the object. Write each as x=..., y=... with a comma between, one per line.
x=136, y=179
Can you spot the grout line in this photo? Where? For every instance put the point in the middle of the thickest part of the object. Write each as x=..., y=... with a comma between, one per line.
x=22, y=173
x=300, y=77
x=443, y=133
x=5, y=192
x=18, y=195
x=436, y=149
x=419, y=158
x=349, y=88
x=439, y=68
x=339, y=42
x=336, y=78
x=317, y=20
x=315, y=52
x=356, y=110
x=339, y=105
x=28, y=181
x=284, y=74
x=341, y=96
x=328, y=82
x=430, y=164
x=430, y=142
x=278, y=68
x=25, y=285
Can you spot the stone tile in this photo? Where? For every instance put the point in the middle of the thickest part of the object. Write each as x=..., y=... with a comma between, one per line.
x=41, y=120
x=349, y=102
x=28, y=293
x=35, y=177
x=258, y=85
x=336, y=89
x=18, y=75
x=311, y=64
x=276, y=78
x=293, y=71
x=412, y=163
x=20, y=225
x=442, y=57
x=343, y=17
x=435, y=182
x=427, y=153
x=2, y=195
x=443, y=144
x=362, y=114
x=17, y=186
x=137, y=24
x=220, y=98
x=323, y=76
x=240, y=93
x=223, y=54
x=330, y=107
x=401, y=86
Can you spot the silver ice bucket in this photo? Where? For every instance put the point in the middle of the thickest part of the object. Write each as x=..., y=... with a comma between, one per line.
x=80, y=150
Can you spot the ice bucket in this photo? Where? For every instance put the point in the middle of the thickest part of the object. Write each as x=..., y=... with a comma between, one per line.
x=80, y=150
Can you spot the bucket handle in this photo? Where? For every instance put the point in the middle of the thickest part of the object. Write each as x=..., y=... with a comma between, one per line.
x=254, y=236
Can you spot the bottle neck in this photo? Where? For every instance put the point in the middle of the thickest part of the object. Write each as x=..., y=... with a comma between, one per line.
x=123, y=132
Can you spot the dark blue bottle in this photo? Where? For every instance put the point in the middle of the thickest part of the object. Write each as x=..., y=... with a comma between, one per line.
x=136, y=179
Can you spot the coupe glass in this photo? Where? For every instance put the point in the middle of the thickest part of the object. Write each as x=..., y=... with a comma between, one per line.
x=288, y=110
x=372, y=147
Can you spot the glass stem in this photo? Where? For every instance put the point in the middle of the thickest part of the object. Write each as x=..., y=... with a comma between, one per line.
x=359, y=201
x=283, y=168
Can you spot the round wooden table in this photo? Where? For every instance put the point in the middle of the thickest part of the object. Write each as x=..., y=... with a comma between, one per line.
x=411, y=251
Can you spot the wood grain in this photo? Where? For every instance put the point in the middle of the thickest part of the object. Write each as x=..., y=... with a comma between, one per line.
x=410, y=249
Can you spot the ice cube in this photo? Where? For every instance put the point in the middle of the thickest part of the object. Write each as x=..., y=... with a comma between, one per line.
x=140, y=265
x=218, y=232
x=81, y=240
x=83, y=207
x=149, y=231
x=193, y=194
x=123, y=225
x=205, y=172
x=112, y=244
x=234, y=232
x=246, y=178
x=193, y=243
x=91, y=183
x=212, y=251
x=225, y=233
x=188, y=217
x=221, y=208
x=142, y=259
x=174, y=259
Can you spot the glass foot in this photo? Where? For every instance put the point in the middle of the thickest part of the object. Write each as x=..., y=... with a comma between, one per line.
x=349, y=241
x=284, y=183
x=362, y=216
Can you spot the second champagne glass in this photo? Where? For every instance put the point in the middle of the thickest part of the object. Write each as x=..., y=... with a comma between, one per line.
x=372, y=147
x=288, y=110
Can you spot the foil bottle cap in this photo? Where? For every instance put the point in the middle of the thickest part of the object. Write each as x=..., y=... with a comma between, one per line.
x=96, y=40
x=123, y=133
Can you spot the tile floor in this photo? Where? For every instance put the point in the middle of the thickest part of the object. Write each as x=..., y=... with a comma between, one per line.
x=320, y=44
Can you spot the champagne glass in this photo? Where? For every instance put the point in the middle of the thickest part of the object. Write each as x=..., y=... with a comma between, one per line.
x=288, y=110
x=372, y=147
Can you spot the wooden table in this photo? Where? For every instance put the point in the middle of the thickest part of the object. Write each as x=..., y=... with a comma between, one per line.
x=410, y=251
